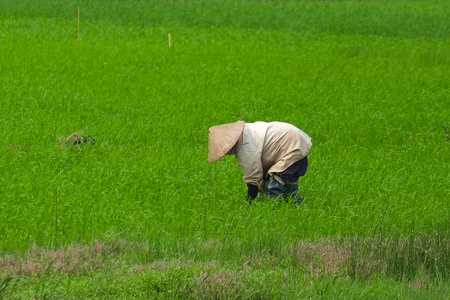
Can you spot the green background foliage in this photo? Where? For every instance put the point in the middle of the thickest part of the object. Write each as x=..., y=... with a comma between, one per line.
x=367, y=80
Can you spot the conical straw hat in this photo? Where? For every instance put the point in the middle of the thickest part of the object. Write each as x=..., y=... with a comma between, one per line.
x=222, y=138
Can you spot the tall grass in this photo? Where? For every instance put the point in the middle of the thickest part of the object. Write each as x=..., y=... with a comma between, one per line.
x=358, y=268
x=366, y=79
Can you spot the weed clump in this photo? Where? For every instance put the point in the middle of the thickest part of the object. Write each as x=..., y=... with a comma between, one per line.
x=76, y=140
x=17, y=148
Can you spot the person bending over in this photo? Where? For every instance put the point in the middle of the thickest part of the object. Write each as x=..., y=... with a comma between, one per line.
x=272, y=155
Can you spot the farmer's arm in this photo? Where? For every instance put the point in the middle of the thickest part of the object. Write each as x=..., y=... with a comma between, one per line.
x=251, y=165
x=252, y=191
x=248, y=153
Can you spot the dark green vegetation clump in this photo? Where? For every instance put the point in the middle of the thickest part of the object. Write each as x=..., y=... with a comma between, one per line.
x=76, y=139
x=367, y=80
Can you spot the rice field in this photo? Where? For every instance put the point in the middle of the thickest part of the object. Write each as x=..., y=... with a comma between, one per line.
x=135, y=210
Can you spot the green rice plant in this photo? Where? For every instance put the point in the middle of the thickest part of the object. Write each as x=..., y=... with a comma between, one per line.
x=312, y=269
x=366, y=79
x=4, y=285
x=403, y=258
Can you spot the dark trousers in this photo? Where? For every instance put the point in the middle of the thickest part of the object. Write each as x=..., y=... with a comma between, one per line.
x=296, y=170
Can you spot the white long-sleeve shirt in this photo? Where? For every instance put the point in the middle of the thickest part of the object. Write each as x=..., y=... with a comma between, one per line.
x=269, y=148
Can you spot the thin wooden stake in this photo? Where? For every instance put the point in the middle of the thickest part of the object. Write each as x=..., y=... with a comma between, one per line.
x=78, y=23
x=170, y=41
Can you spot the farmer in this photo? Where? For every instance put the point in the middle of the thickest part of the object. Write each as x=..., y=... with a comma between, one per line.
x=272, y=156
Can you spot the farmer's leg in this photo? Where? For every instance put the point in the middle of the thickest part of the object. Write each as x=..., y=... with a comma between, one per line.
x=276, y=187
x=290, y=177
x=296, y=170
x=273, y=187
x=291, y=190
x=286, y=183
